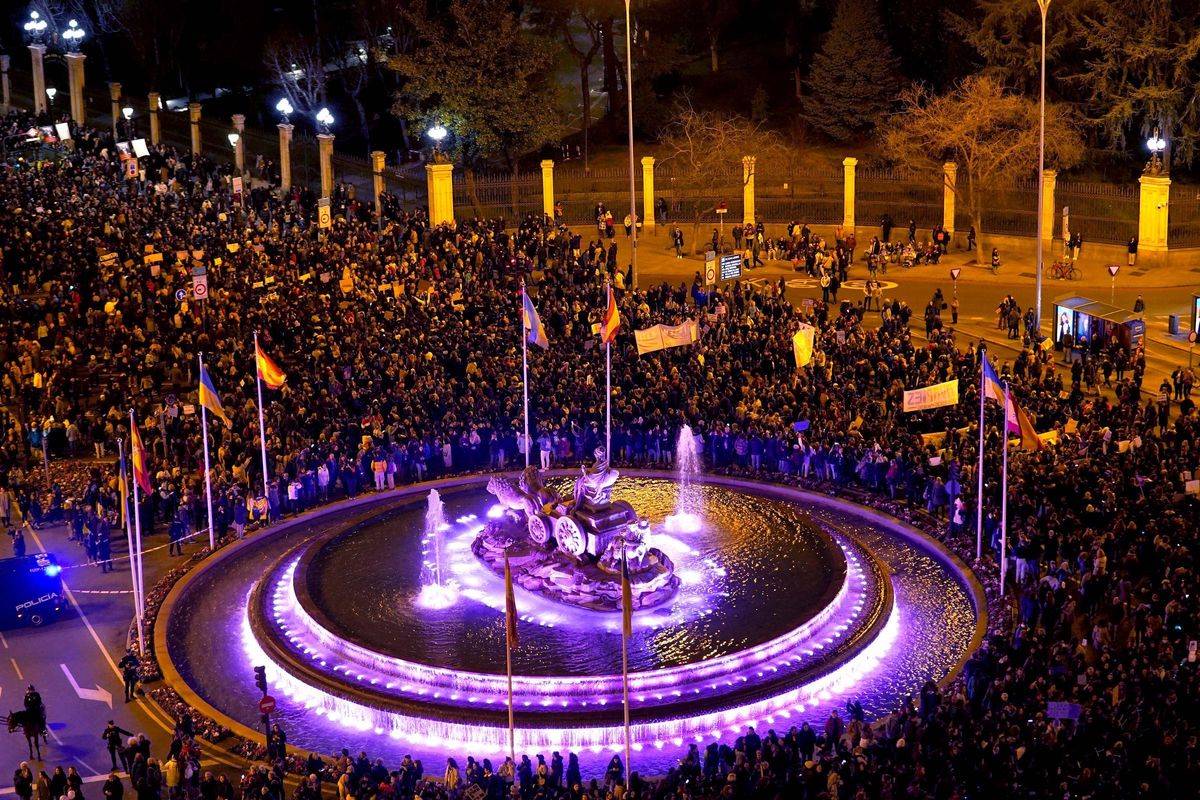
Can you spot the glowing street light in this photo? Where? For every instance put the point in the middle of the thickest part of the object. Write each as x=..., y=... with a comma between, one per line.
x=36, y=26
x=51, y=92
x=324, y=119
x=284, y=107
x=437, y=133
x=233, y=139
x=73, y=35
x=1156, y=145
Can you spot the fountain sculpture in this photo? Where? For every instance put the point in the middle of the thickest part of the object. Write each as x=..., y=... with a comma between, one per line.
x=689, y=509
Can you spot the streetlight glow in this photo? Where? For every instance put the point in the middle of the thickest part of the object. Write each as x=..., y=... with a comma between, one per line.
x=50, y=92
x=36, y=26
x=1156, y=143
x=233, y=139
x=127, y=112
x=438, y=132
x=73, y=35
x=324, y=119
x=284, y=107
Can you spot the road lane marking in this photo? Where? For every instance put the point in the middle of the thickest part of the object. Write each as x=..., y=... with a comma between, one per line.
x=99, y=694
x=20, y=677
x=3, y=641
x=54, y=736
x=88, y=767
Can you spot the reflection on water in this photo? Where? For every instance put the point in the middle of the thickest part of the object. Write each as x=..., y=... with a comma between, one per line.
x=756, y=571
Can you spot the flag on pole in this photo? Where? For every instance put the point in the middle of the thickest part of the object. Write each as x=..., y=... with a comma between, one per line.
x=991, y=382
x=268, y=371
x=210, y=399
x=626, y=599
x=611, y=321
x=123, y=486
x=534, y=332
x=1017, y=422
x=510, y=608
x=141, y=473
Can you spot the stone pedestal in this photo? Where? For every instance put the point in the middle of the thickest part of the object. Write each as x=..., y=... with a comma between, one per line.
x=285, y=156
x=849, y=166
x=75, y=81
x=194, y=121
x=155, y=131
x=439, y=181
x=949, y=182
x=548, y=188
x=648, y=218
x=378, y=162
x=748, y=189
x=37, y=55
x=239, y=149
x=114, y=94
x=1155, y=193
x=325, y=148
x=5, y=86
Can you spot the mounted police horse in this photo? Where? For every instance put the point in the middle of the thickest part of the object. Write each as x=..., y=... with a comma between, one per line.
x=34, y=727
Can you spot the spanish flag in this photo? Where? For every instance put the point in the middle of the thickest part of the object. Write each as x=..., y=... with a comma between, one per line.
x=210, y=399
x=123, y=486
x=534, y=331
x=141, y=473
x=268, y=371
x=510, y=608
x=611, y=321
x=626, y=599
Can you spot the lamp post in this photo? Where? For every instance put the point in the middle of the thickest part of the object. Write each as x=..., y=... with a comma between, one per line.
x=72, y=37
x=239, y=144
x=127, y=113
x=51, y=92
x=1044, y=7
x=1156, y=145
x=632, y=211
x=325, y=150
x=284, y=107
x=437, y=133
x=35, y=28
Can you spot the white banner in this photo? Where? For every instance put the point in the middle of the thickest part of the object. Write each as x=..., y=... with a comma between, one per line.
x=936, y=396
x=660, y=337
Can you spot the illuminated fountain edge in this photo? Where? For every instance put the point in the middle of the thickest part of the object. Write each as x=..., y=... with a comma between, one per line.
x=893, y=526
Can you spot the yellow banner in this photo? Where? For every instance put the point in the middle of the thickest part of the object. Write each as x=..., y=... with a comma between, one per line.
x=803, y=343
x=660, y=337
x=936, y=396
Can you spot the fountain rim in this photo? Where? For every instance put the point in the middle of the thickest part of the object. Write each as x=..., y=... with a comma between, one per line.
x=893, y=525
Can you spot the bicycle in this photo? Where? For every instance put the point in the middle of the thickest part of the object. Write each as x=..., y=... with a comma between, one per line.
x=1065, y=271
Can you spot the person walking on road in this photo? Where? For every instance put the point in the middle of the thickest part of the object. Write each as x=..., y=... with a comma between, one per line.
x=129, y=665
x=112, y=739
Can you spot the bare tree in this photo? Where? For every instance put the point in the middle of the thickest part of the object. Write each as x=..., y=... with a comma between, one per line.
x=296, y=66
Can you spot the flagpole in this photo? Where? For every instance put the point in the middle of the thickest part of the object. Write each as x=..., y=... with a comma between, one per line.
x=509, y=625
x=137, y=553
x=262, y=428
x=212, y=544
x=137, y=595
x=607, y=386
x=1004, y=500
x=979, y=492
x=626, y=623
x=524, y=378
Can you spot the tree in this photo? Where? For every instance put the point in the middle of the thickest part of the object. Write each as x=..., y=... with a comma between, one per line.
x=704, y=150
x=717, y=16
x=854, y=77
x=295, y=65
x=990, y=133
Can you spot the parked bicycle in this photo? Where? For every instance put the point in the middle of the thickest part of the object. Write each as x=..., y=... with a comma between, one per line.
x=1065, y=271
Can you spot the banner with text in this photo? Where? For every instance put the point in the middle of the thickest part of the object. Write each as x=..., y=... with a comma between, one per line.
x=660, y=337
x=936, y=396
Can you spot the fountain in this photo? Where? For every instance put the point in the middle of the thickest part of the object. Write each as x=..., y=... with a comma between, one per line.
x=436, y=594
x=689, y=509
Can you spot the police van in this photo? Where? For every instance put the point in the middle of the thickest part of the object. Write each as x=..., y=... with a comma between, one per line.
x=31, y=590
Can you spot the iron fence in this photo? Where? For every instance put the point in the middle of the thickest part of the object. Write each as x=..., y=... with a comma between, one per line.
x=1101, y=212
x=900, y=195
x=1183, y=216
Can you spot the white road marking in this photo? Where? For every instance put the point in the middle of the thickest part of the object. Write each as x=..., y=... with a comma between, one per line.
x=20, y=677
x=99, y=694
x=88, y=767
x=3, y=641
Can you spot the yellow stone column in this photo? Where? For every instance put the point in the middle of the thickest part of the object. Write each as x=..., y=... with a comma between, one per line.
x=648, y=219
x=1049, y=182
x=285, y=156
x=548, y=188
x=194, y=118
x=114, y=95
x=37, y=55
x=378, y=161
x=75, y=79
x=1152, y=217
x=325, y=147
x=439, y=182
x=154, y=102
x=5, y=87
x=748, y=189
x=848, y=170
x=239, y=149
x=949, y=182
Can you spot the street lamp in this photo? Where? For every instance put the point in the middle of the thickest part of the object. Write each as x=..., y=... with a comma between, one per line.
x=50, y=92
x=284, y=107
x=1044, y=6
x=127, y=113
x=324, y=120
x=233, y=140
x=437, y=133
x=35, y=27
x=73, y=35
x=1156, y=145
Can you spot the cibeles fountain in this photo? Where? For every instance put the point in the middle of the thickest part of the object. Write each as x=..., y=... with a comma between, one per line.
x=572, y=550
x=770, y=607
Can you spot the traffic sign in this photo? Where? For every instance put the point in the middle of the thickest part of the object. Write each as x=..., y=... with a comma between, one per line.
x=954, y=273
x=181, y=295
x=266, y=705
x=200, y=286
x=324, y=219
x=723, y=207
x=1112, y=270
x=1192, y=337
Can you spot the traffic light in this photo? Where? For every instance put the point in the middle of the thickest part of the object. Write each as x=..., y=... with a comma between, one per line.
x=260, y=678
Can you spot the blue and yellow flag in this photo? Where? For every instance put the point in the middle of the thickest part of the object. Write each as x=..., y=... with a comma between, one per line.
x=534, y=331
x=991, y=382
x=210, y=399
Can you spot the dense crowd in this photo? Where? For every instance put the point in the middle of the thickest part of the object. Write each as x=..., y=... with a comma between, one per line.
x=403, y=359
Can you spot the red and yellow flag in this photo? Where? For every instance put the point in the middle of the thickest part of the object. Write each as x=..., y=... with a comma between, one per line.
x=141, y=472
x=626, y=599
x=268, y=371
x=610, y=323
x=510, y=607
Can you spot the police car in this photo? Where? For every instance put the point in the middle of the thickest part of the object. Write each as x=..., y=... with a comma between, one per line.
x=31, y=590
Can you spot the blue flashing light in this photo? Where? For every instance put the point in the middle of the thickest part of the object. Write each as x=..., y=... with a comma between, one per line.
x=52, y=570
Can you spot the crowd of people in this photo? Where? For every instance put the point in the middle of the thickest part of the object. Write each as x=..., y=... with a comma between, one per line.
x=401, y=347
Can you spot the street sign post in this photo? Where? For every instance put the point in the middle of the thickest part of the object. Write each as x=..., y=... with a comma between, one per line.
x=722, y=209
x=1113, y=269
x=324, y=218
x=266, y=705
x=954, y=273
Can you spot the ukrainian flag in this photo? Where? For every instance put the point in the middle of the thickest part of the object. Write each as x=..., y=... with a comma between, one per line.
x=268, y=371
x=611, y=321
x=991, y=382
x=210, y=399
x=534, y=331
